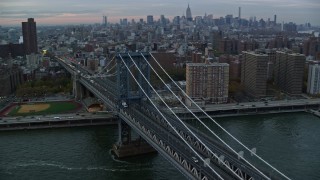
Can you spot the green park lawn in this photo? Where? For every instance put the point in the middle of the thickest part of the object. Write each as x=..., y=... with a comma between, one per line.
x=54, y=108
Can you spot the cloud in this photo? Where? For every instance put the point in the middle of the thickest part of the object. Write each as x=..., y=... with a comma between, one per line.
x=42, y=13
x=13, y=9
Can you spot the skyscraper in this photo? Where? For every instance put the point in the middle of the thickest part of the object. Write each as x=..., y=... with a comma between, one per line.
x=163, y=20
x=105, y=21
x=29, y=32
x=229, y=19
x=188, y=13
x=176, y=20
x=124, y=21
x=239, y=17
x=150, y=19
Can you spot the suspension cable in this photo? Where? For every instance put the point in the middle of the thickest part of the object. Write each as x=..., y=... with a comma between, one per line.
x=218, y=123
x=108, y=70
x=107, y=65
x=202, y=122
x=163, y=115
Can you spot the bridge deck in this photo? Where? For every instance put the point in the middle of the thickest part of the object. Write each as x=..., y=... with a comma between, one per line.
x=62, y=120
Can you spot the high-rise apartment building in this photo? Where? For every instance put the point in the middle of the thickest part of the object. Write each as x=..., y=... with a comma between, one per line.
x=29, y=32
x=288, y=71
x=254, y=73
x=208, y=82
x=196, y=57
x=10, y=79
x=312, y=46
x=188, y=14
x=228, y=46
x=314, y=79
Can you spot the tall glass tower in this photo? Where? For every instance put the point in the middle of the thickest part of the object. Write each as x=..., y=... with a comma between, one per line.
x=188, y=13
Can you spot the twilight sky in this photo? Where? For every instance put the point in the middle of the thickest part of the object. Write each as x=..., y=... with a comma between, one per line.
x=45, y=12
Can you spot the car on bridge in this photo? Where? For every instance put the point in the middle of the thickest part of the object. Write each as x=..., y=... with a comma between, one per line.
x=195, y=159
x=124, y=104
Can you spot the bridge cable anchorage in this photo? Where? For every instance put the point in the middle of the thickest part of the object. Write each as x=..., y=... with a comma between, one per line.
x=195, y=117
x=194, y=151
x=234, y=138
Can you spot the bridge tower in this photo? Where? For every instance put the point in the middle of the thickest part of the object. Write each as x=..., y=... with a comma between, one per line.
x=77, y=91
x=128, y=92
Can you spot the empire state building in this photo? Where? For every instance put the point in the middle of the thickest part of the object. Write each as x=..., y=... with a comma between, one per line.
x=188, y=13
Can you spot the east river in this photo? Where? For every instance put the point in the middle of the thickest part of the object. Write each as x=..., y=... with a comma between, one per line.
x=290, y=142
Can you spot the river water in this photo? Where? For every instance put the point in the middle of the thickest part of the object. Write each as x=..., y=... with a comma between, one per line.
x=290, y=142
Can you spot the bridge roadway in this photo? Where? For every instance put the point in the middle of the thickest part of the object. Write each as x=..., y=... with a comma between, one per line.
x=248, y=108
x=57, y=120
x=216, y=147
x=164, y=140
x=255, y=105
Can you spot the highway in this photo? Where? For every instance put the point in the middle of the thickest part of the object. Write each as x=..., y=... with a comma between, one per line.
x=251, y=105
x=55, y=121
x=44, y=119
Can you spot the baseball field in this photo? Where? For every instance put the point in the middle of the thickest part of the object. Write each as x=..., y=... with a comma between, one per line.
x=43, y=108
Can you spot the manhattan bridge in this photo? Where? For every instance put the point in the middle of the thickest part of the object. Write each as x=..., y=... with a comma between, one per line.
x=124, y=87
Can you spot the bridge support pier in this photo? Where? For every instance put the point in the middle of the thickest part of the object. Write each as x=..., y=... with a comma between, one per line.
x=77, y=88
x=126, y=146
x=77, y=91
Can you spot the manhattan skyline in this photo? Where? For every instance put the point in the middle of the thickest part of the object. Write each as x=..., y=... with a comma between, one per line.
x=59, y=12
